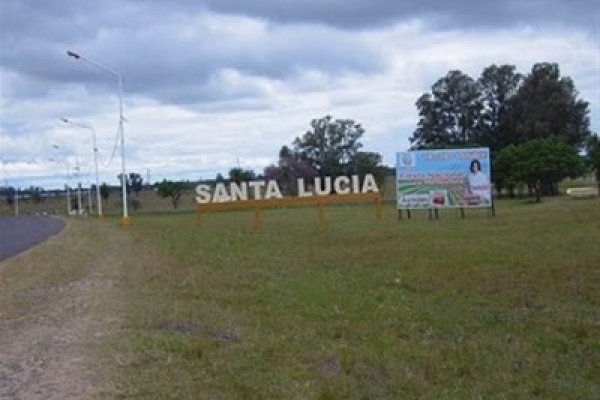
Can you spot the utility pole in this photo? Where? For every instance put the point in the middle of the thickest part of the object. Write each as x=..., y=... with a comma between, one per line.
x=17, y=202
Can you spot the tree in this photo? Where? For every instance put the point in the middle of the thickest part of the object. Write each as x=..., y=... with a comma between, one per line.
x=449, y=115
x=239, y=175
x=594, y=157
x=104, y=191
x=171, y=189
x=9, y=195
x=36, y=194
x=136, y=182
x=504, y=174
x=542, y=162
x=498, y=85
x=330, y=145
x=288, y=170
x=547, y=106
x=367, y=162
x=133, y=182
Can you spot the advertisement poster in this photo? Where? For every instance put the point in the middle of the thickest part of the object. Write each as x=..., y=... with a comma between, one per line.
x=443, y=178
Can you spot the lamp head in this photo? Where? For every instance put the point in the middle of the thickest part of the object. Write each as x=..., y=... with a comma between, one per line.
x=73, y=54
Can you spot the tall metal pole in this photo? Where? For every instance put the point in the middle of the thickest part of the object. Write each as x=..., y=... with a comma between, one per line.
x=95, y=146
x=125, y=219
x=90, y=204
x=17, y=202
x=67, y=178
x=68, y=189
x=78, y=188
x=98, y=200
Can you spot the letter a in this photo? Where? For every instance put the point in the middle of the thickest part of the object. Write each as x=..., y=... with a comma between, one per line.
x=369, y=184
x=272, y=190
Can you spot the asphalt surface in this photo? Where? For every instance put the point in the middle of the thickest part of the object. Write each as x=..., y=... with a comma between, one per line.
x=17, y=234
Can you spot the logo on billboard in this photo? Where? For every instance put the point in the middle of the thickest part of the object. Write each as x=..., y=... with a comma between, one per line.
x=407, y=160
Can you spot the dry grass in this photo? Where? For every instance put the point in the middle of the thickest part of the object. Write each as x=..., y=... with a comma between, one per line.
x=58, y=303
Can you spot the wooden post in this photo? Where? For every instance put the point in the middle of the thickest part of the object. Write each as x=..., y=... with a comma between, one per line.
x=435, y=212
x=408, y=214
x=378, y=208
x=493, y=208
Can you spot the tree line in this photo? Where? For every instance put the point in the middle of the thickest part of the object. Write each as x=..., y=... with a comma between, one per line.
x=535, y=125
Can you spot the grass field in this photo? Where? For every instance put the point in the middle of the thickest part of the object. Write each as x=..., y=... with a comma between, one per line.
x=504, y=308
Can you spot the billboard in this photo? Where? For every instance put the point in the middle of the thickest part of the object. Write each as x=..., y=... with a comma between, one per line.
x=443, y=178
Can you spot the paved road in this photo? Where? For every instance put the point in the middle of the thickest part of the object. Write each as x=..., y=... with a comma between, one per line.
x=20, y=233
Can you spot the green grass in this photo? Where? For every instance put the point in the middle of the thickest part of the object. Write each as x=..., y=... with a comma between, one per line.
x=502, y=308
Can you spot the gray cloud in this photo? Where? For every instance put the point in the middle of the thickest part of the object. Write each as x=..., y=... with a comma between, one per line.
x=358, y=14
x=166, y=50
x=193, y=68
x=173, y=57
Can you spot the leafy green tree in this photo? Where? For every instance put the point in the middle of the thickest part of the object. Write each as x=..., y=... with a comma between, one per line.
x=594, y=157
x=133, y=182
x=9, y=195
x=547, y=106
x=136, y=182
x=449, y=115
x=36, y=193
x=542, y=162
x=171, y=189
x=330, y=145
x=504, y=174
x=239, y=175
x=367, y=162
x=498, y=85
x=104, y=191
x=288, y=170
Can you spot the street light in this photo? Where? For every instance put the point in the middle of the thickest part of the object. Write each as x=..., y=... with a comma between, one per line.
x=125, y=220
x=91, y=128
x=67, y=185
x=55, y=146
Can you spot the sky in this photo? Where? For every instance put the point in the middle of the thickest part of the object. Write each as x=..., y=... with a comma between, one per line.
x=212, y=84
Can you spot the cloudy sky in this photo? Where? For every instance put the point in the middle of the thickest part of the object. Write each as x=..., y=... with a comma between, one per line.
x=210, y=84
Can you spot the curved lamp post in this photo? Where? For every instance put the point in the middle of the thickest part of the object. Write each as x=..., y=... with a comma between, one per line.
x=91, y=128
x=125, y=219
x=67, y=185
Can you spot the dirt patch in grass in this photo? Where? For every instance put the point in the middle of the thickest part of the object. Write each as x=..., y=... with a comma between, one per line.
x=330, y=365
x=58, y=305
